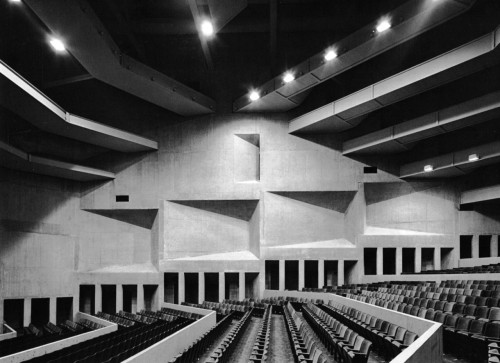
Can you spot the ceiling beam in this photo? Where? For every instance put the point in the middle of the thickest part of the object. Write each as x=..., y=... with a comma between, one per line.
x=204, y=43
x=69, y=80
x=122, y=22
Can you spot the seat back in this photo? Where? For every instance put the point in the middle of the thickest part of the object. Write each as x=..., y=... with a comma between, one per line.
x=400, y=333
x=410, y=337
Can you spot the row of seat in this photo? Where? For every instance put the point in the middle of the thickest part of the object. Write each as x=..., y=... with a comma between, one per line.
x=253, y=303
x=117, y=346
x=491, y=268
x=139, y=318
x=261, y=343
x=182, y=314
x=428, y=309
x=302, y=339
x=221, y=308
x=492, y=301
x=158, y=315
x=120, y=321
x=388, y=338
x=204, y=343
x=224, y=351
x=33, y=336
x=345, y=344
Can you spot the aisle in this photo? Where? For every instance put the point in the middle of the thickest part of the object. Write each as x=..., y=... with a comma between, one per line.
x=280, y=349
x=216, y=343
x=242, y=351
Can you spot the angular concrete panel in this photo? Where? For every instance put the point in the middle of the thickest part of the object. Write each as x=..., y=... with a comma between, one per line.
x=144, y=218
x=240, y=209
x=335, y=200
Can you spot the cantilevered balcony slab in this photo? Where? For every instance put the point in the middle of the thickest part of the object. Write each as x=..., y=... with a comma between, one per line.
x=25, y=100
x=89, y=42
x=13, y=158
x=453, y=164
x=402, y=136
x=418, y=16
x=485, y=194
x=349, y=111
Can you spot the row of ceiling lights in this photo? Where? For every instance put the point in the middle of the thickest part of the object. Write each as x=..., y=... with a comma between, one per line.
x=56, y=43
x=472, y=158
x=329, y=55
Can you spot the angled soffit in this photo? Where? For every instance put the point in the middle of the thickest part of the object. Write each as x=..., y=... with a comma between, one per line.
x=238, y=208
x=453, y=164
x=13, y=158
x=22, y=98
x=401, y=137
x=349, y=111
x=418, y=17
x=88, y=41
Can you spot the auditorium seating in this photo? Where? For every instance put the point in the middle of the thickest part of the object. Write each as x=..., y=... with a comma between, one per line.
x=468, y=310
x=201, y=345
x=33, y=336
x=301, y=338
x=261, y=344
x=116, y=346
x=223, y=352
x=229, y=306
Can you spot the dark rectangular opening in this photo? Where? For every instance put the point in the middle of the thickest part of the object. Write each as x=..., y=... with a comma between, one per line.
x=109, y=299
x=272, y=275
x=370, y=170
x=331, y=271
x=446, y=258
x=212, y=286
x=349, y=268
x=484, y=246
x=64, y=309
x=171, y=287
x=13, y=313
x=465, y=246
x=389, y=261
x=370, y=258
x=251, y=284
x=150, y=297
x=427, y=259
x=310, y=273
x=87, y=299
x=291, y=275
x=191, y=287
x=408, y=260
x=40, y=311
x=232, y=280
x=130, y=298
x=466, y=207
x=122, y=198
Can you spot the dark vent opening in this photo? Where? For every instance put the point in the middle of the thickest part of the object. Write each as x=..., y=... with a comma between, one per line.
x=122, y=198
x=370, y=170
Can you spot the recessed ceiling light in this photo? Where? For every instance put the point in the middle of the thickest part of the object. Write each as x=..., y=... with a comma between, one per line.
x=288, y=77
x=57, y=44
x=428, y=168
x=473, y=157
x=207, y=28
x=329, y=55
x=254, y=96
x=383, y=26
x=15, y=1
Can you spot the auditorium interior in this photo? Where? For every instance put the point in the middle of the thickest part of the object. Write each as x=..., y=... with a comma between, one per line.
x=250, y=181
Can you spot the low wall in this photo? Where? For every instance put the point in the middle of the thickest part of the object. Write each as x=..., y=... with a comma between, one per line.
x=52, y=347
x=471, y=262
x=8, y=333
x=427, y=348
x=172, y=345
x=430, y=277
x=189, y=309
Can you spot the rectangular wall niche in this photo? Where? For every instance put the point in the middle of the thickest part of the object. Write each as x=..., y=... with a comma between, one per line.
x=246, y=158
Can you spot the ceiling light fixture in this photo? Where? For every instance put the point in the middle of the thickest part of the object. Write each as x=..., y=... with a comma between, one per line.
x=428, y=168
x=15, y=1
x=288, y=77
x=254, y=96
x=383, y=26
x=57, y=44
x=473, y=157
x=207, y=28
x=329, y=55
